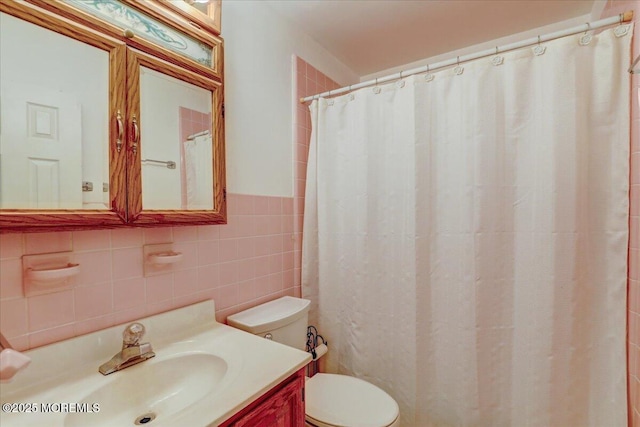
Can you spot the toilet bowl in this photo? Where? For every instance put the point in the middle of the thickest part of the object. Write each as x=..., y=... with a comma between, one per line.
x=331, y=400
x=341, y=400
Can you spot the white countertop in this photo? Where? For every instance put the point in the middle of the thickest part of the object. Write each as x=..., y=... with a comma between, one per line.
x=67, y=372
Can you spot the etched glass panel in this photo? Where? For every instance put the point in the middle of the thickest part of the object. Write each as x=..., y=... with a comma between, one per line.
x=146, y=27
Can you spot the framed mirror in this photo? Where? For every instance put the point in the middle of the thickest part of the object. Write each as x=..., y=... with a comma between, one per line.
x=95, y=133
x=54, y=127
x=59, y=94
x=179, y=164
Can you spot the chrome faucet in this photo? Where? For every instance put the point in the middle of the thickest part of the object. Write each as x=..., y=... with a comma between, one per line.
x=133, y=352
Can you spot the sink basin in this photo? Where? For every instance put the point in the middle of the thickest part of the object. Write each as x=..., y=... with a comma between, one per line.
x=203, y=373
x=152, y=391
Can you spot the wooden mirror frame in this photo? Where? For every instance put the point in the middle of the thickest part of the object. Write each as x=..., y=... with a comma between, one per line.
x=211, y=21
x=123, y=169
x=137, y=215
x=36, y=220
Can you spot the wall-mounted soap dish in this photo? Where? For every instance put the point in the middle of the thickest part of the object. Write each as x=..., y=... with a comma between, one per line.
x=52, y=274
x=47, y=273
x=168, y=257
x=159, y=258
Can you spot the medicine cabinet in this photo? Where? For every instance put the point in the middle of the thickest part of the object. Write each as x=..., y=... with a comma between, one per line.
x=111, y=116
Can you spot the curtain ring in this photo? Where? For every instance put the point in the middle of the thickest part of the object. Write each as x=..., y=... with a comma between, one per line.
x=458, y=69
x=376, y=88
x=621, y=30
x=400, y=83
x=585, y=39
x=428, y=76
x=497, y=60
x=539, y=49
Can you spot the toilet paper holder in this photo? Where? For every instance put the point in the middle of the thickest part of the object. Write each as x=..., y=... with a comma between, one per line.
x=317, y=346
x=312, y=341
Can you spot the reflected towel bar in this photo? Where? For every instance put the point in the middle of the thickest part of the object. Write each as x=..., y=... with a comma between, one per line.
x=169, y=163
x=195, y=135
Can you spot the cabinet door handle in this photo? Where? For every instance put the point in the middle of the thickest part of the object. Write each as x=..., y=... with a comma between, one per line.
x=136, y=135
x=120, y=131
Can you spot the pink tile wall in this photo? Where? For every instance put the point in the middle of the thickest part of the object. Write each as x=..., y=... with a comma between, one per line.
x=613, y=8
x=309, y=81
x=192, y=121
x=246, y=262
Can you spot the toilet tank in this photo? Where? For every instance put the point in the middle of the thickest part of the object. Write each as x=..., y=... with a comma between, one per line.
x=284, y=318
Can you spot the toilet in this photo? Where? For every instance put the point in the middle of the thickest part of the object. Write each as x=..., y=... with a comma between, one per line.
x=331, y=400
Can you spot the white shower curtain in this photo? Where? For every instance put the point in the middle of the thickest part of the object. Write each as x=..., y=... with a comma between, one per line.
x=465, y=238
x=199, y=172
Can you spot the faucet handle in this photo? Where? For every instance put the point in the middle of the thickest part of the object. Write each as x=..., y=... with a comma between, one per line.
x=132, y=334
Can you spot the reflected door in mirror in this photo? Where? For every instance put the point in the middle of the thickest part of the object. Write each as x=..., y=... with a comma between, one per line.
x=54, y=128
x=41, y=157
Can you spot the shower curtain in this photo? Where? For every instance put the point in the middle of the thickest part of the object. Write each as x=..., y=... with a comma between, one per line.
x=465, y=237
x=198, y=172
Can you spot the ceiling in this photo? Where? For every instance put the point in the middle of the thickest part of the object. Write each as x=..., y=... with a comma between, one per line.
x=369, y=36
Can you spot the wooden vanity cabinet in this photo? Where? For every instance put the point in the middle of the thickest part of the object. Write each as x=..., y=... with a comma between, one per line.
x=152, y=49
x=282, y=406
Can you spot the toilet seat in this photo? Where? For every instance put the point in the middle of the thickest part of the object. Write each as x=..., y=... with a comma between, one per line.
x=339, y=400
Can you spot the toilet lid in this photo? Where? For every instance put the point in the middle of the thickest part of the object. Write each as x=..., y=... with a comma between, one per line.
x=341, y=400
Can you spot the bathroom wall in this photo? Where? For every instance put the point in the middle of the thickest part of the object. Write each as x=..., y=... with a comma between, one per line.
x=248, y=261
x=258, y=94
x=239, y=265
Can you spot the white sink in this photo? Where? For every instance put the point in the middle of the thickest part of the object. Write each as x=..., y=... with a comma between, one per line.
x=202, y=374
x=153, y=391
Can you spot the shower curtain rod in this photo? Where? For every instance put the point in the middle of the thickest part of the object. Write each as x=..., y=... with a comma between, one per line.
x=623, y=17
